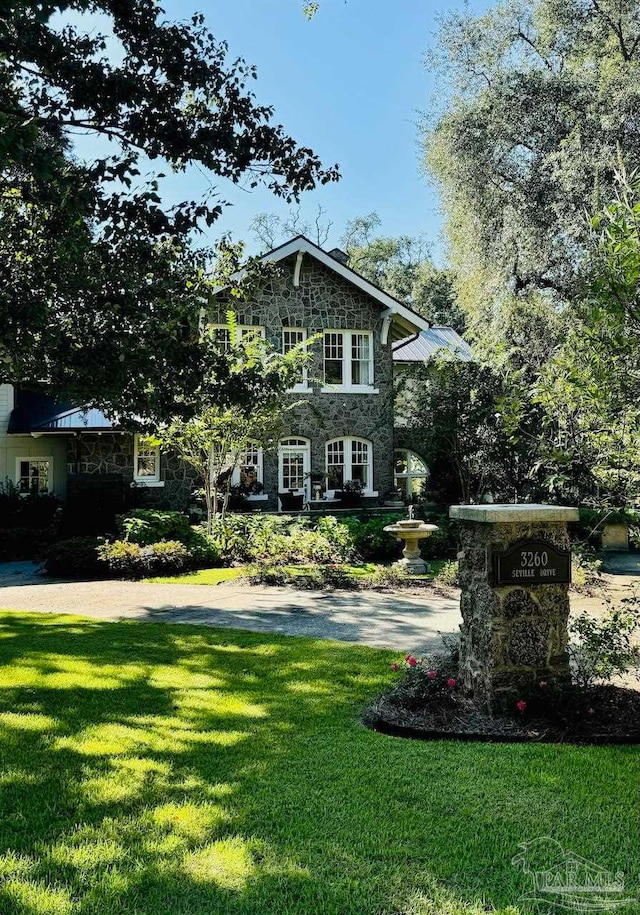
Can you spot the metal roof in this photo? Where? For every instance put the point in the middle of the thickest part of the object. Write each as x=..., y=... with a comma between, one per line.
x=430, y=342
x=38, y=411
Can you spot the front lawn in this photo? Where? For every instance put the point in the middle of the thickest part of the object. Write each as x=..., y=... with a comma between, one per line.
x=159, y=770
x=362, y=570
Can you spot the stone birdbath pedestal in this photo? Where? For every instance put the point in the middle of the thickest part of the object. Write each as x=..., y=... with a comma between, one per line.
x=411, y=532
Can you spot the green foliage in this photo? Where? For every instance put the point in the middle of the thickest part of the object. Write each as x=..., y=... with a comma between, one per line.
x=26, y=510
x=370, y=541
x=75, y=558
x=447, y=575
x=102, y=283
x=146, y=525
x=130, y=560
x=605, y=647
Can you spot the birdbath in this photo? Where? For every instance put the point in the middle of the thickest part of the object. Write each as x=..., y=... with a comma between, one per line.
x=411, y=532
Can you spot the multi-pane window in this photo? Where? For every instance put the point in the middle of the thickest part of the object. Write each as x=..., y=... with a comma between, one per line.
x=348, y=358
x=222, y=335
x=334, y=358
x=250, y=469
x=411, y=473
x=34, y=475
x=335, y=464
x=294, y=464
x=360, y=358
x=146, y=460
x=292, y=337
x=349, y=459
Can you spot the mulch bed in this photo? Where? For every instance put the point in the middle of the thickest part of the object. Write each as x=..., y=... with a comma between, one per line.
x=600, y=715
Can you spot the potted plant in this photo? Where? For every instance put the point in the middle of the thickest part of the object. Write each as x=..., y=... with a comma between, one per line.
x=318, y=483
x=351, y=494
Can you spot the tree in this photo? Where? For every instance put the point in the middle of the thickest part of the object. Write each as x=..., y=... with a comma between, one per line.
x=102, y=289
x=464, y=441
x=212, y=436
x=539, y=103
x=270, y=230
x=590, y=390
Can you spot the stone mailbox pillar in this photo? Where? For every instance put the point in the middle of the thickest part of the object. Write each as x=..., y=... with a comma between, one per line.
x=515, y=570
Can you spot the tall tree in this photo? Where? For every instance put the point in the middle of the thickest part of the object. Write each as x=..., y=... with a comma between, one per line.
x=101, y=289
x=538, y=105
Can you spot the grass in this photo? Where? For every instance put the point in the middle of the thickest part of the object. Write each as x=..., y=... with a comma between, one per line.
x=216, y=576
x=167, y=770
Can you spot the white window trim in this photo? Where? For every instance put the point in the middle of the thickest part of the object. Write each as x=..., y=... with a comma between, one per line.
x=240, y=329
x=348, y=388
x=348, y=439
x=151, y=482
x=409, y=476
x=40, y=458
x=235, y=477
x=303, y=386
x=306, y=462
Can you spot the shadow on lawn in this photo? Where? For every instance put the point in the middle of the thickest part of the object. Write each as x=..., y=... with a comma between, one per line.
x=161, y=770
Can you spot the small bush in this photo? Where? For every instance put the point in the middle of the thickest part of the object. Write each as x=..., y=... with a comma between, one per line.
x=169, y=556
x=34, y=511
x=75, y=558
x=394, y=576
x=123, y=558
x=369, y=538
x=604, y=648
x=145, y=526
x=447, y=576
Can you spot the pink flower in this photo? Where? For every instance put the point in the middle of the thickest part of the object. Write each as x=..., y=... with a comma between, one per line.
x=411, y=661
x=543, y=683
x=451, y=682
x=431, y=674
x=521, y=705
x=591, y=711
x=394, y=667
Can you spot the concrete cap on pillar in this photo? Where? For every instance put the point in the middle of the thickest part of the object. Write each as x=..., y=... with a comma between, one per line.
x=513, y=513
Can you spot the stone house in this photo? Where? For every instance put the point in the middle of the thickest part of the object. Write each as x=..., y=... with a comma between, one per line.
x=342, y=427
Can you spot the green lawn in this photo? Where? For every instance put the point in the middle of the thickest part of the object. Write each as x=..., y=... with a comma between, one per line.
x=216, y=576
x=159, y=770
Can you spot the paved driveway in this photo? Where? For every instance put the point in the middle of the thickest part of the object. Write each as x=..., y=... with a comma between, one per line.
x=383, y=620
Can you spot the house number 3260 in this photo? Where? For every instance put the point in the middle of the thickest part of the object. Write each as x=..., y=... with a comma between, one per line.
x=534, y=560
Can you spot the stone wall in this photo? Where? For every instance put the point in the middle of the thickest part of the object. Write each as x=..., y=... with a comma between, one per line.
x=324, y=301
x=510, y=635
x=113, y=453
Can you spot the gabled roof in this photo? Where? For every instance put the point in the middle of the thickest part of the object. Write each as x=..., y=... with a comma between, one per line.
x=429, y=342
x=40, y=412
x=394, y=307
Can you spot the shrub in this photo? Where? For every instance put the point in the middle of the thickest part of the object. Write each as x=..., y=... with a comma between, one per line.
x=35, y=511
x=77, y=557
x=394, y=576
x=24, y=543
x=447, y=576
x=145, y=526
x=604, y=648
x=370, y=540
x=130, y=560
x=169, y=556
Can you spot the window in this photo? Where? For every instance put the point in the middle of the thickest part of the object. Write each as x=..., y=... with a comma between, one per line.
x=33, y=475
x=348, y=359
x=293, y=464
x=249, y=472
x=349, y=459
x=146, y=461
x=291, y=337
x=222, y=337
x=410, y=472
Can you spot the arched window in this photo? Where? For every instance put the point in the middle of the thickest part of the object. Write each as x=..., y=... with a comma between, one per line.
x=349, y=459
x=293, y=465
x=410, y=472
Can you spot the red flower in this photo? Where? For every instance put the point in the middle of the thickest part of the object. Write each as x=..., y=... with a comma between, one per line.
x=543, y=683
x=394, y=667
x=411, y=661
x=451, y=682
x=431, y=674
x=521, y=705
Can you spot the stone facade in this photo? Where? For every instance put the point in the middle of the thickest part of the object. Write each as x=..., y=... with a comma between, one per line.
x=510, y=635
x=325, y=301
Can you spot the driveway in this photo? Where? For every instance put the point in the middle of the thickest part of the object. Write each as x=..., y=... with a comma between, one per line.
x=403, y=622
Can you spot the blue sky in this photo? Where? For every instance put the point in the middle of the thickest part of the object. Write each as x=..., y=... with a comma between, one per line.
x=350, y=84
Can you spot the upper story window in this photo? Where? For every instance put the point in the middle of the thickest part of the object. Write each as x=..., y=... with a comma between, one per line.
x=146, y=460
x=222, y=336
x=349, y=459
x=34, y=475
x=292, y=337
x=348, y=360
